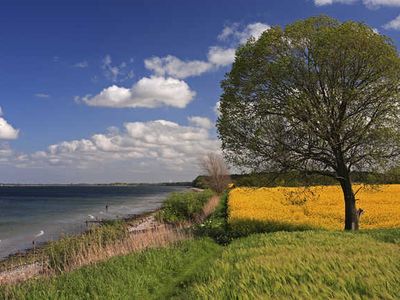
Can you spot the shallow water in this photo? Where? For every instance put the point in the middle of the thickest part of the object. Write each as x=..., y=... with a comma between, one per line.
x=25, y=211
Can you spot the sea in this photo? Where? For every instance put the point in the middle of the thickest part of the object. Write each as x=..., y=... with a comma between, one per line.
x=43, y=213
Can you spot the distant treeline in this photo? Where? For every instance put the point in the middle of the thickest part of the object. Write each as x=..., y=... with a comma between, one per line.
x=179, y=183
x=271, y=179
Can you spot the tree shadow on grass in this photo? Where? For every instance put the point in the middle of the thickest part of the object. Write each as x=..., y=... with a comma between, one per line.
x=245, y=227
x=223, y=232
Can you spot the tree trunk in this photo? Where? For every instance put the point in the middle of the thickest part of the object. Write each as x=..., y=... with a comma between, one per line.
x=351, y=214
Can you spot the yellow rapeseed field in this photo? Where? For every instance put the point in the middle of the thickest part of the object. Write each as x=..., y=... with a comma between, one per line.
x=319, y=206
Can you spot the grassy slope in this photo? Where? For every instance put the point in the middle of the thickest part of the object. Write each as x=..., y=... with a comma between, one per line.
x=151, y=274
x=306, y=265
x=278, y=265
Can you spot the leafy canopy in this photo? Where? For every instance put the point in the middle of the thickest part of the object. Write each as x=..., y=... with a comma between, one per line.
x=319, y=96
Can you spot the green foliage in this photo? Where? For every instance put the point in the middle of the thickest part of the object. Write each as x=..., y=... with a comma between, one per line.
x=152, y=274
x=302, y=265
x=216, y=226
x=242, y=228
x=295, y=179
x=201, y=182
x=282, y=265
x=383, y=235
x=183, y=206
x=319, y=96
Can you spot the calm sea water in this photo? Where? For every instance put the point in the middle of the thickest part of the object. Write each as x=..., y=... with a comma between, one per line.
x=56, y=210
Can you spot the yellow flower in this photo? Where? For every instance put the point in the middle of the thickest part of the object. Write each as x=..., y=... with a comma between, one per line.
x=319, y=206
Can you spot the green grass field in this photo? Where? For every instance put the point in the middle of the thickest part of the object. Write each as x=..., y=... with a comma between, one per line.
x=295, y=265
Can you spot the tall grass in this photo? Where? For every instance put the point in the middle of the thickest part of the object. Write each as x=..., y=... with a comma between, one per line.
x=282, y=265
x=184, y=207
x=153, y=274
x=112, y=238
x=304, y=265
x=97, y=244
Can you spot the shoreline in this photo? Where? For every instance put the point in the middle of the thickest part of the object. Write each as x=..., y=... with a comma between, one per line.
x=139, y=231
x=27, y=251
x=17, y=247
x=26, y=266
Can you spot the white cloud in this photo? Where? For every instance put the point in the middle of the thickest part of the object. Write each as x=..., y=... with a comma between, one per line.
x=153, y=146
x=329, y=2
x=173, y=66
x=149, y=92
x=7, y=131
x=81, y=64
x=243, y=34
x=116, y=73
x=219, y=56
x=368, y=3
x=394, y=24
x=200, y=122
x=253, y=30
x=378, y=3
x=42, y=95
x=217, y=108
x=177, y=68
x=228, y=31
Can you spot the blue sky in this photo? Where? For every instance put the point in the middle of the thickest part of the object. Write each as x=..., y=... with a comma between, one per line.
x=104, y=91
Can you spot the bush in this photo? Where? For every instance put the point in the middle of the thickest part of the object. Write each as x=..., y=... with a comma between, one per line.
x=183, y=206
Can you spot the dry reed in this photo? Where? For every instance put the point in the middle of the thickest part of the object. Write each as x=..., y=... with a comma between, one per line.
x=153, y=235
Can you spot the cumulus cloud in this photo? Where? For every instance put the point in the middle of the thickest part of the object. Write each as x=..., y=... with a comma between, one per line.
x=148, y=92
x=173, y=66
x=394, y=24
x=217, y=56
x=162, y=145
x=7, y=131
x=200, y=122
x=221, y=57
x=177, y=68
x=236, y=31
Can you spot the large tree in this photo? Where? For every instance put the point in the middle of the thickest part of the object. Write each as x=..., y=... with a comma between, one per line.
x=319, y=96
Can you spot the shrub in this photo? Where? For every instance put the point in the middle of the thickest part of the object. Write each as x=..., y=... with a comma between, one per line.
x=183, y=206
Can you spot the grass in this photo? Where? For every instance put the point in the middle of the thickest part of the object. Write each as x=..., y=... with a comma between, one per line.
x=151, y=274
x=289, y=264
x=183, y=207
x=112, y=238
x=97, y=244
x=58, y=254
x=284, y=265
x=304, y=265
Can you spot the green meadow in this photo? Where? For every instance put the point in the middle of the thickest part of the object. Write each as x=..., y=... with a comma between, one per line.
x=285, y=265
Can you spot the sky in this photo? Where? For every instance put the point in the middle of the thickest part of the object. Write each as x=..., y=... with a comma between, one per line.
x=127, y=91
